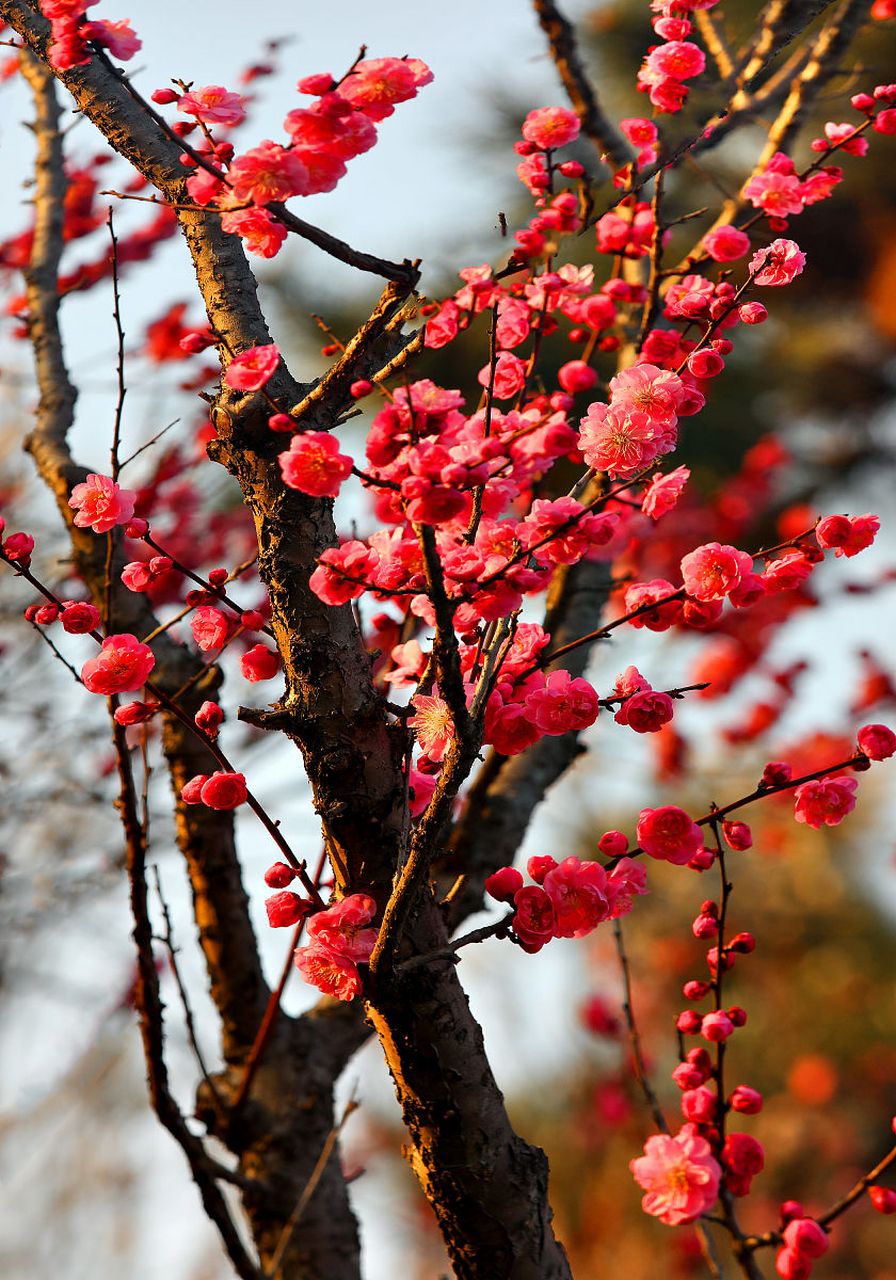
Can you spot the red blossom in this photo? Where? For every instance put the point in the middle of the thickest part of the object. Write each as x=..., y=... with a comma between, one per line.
x=253, y=368
x=122, y=665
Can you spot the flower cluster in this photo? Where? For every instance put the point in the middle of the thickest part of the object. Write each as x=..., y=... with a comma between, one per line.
x=338, y=125
x=568, y=899
x=339, y=943
x=71, y=33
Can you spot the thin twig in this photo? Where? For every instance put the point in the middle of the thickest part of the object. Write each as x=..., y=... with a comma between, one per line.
x=168, y=940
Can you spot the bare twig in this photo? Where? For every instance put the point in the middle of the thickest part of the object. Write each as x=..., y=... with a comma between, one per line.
x=581, y=93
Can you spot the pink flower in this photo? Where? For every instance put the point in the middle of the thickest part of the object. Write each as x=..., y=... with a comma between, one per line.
x=261, y=234
x=883, y=1199
x=726, y=243
x=259, y=663
x=627, y=881
x=640, y=132
x=705, y=363
x=679, y=1174
x=118, y=37
x=753, y=313
x=698, y=1105
x=777, y=194
x=279, y=875
x=563, y=704
x=78, y=617
x=375, y=85
x=344, y=572
x=716, y=1026
x=551, y=127
x=135, y=712
x=848, y=535
x=663, y=492
x=621, y=442
x=641, y=594
x=503, y=884
x=210, y=627
x=267, y=172
x=313, y=464
x=779, y=264
x=433, y=723
x=286, y=908
x=806, y=1237
x=331, y=972
x=646, y=711
x=317, y=132
x=787, y=572
x=342, y=927
x=669, y=834
x=577, y=891
x=575, y=376
x=209, y=719
x=101, y=504
x=676, y=60
x=745, y=1100
x=571, y=532
x=712, y=571
x=825, y=801
x=250, y=370
x=213, y=104
x=533, y=922
x=842, y=136
x=510, y=376
x=122, y=665
x=650, y=390
x=876, y=740
x=223, y=790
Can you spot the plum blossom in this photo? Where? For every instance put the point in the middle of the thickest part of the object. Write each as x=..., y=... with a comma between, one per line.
x=663, y=492
x=313, y=464
x=118, y=37
x=213, y=104
x=847, y=535
x=376, y=84
x=211, y=628
x=650, y=390
x=267, y=172
x=621, y=442
x=344, y=572
x=877, y=741
x=100, y=504
x=550, y=127
x=825, y=801
x=122, y=665
x=259, y=663
x=726, y=243
x=286, y=908
x=779, y=264
x=712, y=571
x=433, y=723
x=250, y=370
x=339, y=943
x=533, y=921
x=679, y=1174
x=332, y=972
x=261, y=234
x=577, y=891
x=563, y=704
x=669, y=834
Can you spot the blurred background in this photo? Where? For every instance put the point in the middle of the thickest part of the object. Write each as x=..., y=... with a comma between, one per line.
x=801, y=423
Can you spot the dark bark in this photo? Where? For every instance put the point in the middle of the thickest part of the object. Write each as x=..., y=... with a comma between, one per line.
x=488, y=1186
